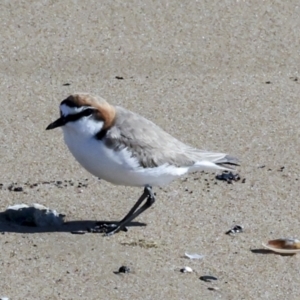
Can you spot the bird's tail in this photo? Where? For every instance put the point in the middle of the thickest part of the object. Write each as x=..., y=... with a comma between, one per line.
x=215, y=161
x=228, y=161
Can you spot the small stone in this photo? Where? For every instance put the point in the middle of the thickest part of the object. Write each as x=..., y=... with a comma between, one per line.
x=235, y=229
x=18, y=189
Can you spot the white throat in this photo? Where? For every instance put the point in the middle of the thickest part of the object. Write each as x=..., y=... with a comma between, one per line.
x=85, y=127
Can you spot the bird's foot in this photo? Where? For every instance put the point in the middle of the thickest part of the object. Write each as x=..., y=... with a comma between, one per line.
x=107, y=228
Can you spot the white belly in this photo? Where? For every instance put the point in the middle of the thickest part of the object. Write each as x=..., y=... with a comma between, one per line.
x=118, y=167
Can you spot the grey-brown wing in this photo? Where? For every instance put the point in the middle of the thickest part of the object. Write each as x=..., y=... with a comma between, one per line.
x=151, y=145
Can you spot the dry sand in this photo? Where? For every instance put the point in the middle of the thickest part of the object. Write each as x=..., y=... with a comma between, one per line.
x=219, y=75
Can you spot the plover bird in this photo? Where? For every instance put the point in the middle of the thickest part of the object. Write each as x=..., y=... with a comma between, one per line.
x=124, y=148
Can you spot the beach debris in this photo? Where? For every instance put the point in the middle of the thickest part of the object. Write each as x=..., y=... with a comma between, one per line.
x=36, y=215
x=208, y=278
x=4, y=298
x=186, y=270
x=261, y=166
x=124, y=269
x=229, y=177
x=213, y=288
x=25, y=186
x=235, y=229
x=194, y=256
x=283, y=245
x=142, y=243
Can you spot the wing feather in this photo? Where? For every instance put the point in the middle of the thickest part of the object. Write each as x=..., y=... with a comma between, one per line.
x=152, y=146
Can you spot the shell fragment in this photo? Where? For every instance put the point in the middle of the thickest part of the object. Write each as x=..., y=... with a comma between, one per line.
x=283, y=245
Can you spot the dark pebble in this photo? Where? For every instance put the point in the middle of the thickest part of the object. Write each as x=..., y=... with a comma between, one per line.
x=119, y=77
x=58, y=182
x=208, y=278
x=66, y=84
x=124, y=269
x=235, y=229
x=228, y=177
x=18, y=189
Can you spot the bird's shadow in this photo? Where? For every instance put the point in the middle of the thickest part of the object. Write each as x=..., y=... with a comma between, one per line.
x=80, y=226
x=266, y=251
x=261, y=251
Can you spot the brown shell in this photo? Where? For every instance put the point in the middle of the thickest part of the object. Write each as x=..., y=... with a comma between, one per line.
x=283, y=246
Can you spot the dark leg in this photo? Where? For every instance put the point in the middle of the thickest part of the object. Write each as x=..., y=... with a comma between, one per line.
x=136, y=210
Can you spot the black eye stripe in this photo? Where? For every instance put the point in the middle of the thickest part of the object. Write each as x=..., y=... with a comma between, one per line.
x=69, y=102
x=75, y=117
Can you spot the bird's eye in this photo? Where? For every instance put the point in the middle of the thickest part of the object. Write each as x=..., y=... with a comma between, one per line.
x=87, y=112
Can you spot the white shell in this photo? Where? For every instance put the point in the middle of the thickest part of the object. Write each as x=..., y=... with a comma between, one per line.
x=186, y=270
x=283, y=245
x=193, y=256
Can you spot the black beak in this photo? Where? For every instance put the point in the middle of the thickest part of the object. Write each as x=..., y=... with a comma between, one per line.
x=59, y=122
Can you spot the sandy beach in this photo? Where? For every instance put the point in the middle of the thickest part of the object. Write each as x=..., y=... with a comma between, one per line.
x=218, y=75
